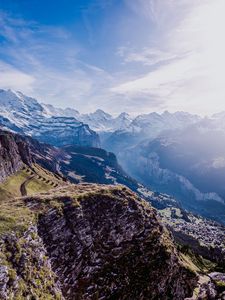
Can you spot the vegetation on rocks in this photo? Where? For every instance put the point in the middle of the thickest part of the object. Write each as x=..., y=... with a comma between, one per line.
x=102, y=241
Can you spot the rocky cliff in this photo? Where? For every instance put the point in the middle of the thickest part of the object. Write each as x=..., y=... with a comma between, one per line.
x=25, y=270
x=13, y=153
x=92, y=242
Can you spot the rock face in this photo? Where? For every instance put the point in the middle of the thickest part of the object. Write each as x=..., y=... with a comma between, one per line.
x=210, y=287
x=13, y=154
x=61, y=131
x=25, y=270
x=90, y=242
x=105, y=243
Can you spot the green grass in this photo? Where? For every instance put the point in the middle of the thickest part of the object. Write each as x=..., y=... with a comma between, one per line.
x=36, y=186
x=197, y=263
x=11, y=187
x=220, y=284
x=4, y=194
x=46, y=175
x=15, y=216
x=42, y=181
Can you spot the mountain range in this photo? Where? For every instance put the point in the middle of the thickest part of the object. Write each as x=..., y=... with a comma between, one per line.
x=187, y=163
x=179, y=153
x=75, y=225
x=25, y=115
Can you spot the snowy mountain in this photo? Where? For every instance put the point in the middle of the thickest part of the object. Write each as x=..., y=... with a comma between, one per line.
x=178, y=153
x=25, y=115
x=145, y=125
x=51, y=110
x=12, y=101
x=103, y=122
x=67, y=126
x=99, y=120
x=148, y=126
x=152, y=124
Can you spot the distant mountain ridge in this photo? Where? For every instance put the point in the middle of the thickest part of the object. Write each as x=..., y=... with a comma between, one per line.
x=187, y=163
x=18, y=109
x=98, y=121
x=101, y=121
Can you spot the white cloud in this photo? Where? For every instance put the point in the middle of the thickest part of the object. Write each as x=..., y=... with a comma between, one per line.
x=10, y=77
x=189, y=74
x=147, y=56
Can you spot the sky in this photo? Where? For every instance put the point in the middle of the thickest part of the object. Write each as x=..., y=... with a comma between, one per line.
x=136, y=56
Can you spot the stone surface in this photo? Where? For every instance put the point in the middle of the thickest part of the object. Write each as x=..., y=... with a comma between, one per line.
x=109, y=244
x=13, y=154
x=25, y=270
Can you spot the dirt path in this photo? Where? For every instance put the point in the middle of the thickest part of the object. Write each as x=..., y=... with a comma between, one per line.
x=23, y=190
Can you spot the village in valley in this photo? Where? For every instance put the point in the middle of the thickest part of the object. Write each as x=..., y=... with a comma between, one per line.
x=185, y=225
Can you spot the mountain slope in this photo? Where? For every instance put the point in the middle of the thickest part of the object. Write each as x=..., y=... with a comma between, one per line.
x=98, y=121
x=147, y=126
x=162, y=166
x=77, y=164
x=107, y=228
x=43, y=167
x=100, y=241
x=65, y=241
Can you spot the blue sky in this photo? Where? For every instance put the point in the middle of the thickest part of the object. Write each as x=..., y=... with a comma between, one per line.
x=119, y=55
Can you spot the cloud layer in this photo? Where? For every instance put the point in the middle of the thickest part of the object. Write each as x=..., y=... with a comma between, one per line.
x=187, y=67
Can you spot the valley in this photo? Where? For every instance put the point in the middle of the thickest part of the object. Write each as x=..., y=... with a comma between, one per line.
x=74, y=224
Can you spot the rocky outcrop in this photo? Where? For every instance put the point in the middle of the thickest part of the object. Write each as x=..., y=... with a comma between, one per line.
x=210, y=287
x=25, y=270
x=91, y=242
x=105, y=243
x=13, y=154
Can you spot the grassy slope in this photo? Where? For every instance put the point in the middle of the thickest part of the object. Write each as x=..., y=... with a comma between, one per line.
x=42, y=181
x=14, y=215
x=11, y=187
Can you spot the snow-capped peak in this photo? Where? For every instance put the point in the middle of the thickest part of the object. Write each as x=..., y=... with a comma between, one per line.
x=59, y=127
x=50, y=110
x=100, y=114
x=13, y=101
